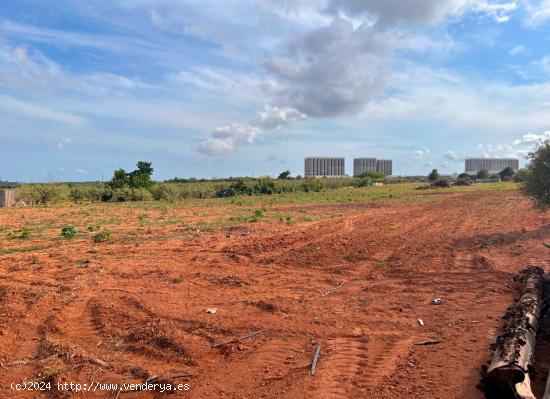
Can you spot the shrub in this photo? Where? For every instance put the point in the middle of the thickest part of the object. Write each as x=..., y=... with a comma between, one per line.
x=463, y=181
x=441, y=183
x=131, y=194
x=93, y=193
x=223, y=192
x=43, y=194
x=521, y=175
x=68, y=232
x=482, y=174
x=284, y=175
x=259, y=213
x=364, y=182
x=265, y=186
x=311, y=184
x=102, y=236
x=537, y=181
x=373, y=175
x=76, y=195
x=506, y=174
x=433, y=176
x=239, y=187
x=163, y=192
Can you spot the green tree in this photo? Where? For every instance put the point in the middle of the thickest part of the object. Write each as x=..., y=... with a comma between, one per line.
x=482, y=174
x=537, y=180
x=120, y=179
x=284, y=175
x=434, y=175
x=507, y=173
x=141, y=177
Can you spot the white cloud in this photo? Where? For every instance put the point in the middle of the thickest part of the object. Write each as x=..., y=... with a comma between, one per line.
x=422, y=11
x=518, y=50
x=421, y=154
x=452, y=156
x=223, y=139
x=37, y=111
x=531, y=138
x=81, y=171
x=537, y=12
x=216, y=146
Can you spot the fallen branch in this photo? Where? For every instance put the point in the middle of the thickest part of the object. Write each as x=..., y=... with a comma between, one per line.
x=335, y=288
x=231, y=341
x=316, y=353
x=429, y=342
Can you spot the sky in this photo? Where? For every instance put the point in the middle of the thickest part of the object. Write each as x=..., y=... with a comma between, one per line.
x=209, y=88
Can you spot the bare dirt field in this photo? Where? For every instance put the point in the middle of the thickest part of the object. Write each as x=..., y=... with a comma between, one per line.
x=134, y=306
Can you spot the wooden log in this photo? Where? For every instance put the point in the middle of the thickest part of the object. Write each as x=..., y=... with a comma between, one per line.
x=513, y=352
x=315, y=359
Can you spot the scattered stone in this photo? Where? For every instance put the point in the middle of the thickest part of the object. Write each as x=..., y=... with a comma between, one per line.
x=211, y=310
x=420, y=322
x=437, y=301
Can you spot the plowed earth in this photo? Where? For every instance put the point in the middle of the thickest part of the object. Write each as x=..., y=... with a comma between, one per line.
x=77, y=311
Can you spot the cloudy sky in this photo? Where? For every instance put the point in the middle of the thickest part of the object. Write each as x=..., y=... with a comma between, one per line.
x=212, y=88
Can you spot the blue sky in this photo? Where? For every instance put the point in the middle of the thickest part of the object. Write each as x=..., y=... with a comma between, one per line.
x=210, y=88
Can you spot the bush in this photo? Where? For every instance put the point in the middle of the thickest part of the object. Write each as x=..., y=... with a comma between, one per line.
x=521, y=175
x=102, y=236
x=76, y=195
x=265, y=186
x=68, y=232
x=372, y=175
x=506, y=174
x=224, y=192
x=433, y=176
x=537, y=181
x=284, y=175
x=482, y=174
x=463, y=181
x=364, y=182
x=42, y=194
x=311, y=184
x=131, y=194
x=441, y=183
x=163, y=192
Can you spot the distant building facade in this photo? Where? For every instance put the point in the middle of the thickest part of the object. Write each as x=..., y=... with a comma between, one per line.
x=384, y=166
x=324, y=167
x=362, y=165
x=492, y=165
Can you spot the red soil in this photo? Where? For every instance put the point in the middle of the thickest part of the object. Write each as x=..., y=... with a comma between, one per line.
x=78, y=311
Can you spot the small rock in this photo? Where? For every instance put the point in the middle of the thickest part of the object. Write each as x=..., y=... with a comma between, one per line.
x=211, y=310
x=420, y=322
x=437, y=301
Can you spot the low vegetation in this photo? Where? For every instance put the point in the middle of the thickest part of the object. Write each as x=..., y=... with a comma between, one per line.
x=537, y=177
